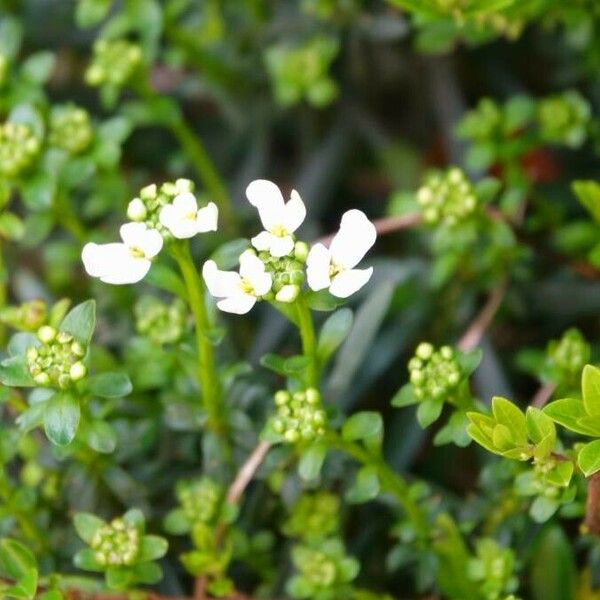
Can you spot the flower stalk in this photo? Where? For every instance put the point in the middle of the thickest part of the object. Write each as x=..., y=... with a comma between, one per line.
x=309, y=341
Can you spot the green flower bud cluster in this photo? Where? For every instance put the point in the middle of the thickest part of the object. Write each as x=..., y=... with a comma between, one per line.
x=509, y=27
x=447, y=197
x=493, y=569
x=146, y=207
x=314, y=516
x=29, y=316
x=114, y=62
x=302, y=72
x=568, y=355
x=484, y=122
x=70, y=128
x=434, y=374
x=18, y=148
x=300, y=416
x=116, y=544
x=200, y=499
x=161, y=323
x=324, y=572
x=287, y=272
x=564, y=119
x=57, y=361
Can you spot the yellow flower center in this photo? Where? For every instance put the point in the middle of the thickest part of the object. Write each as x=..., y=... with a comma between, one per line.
x=137, y=252
x=247, y=287
x=279, y=231
x=191, y=216
x=334, y=270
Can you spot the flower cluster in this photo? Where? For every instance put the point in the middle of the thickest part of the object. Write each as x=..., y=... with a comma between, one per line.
x=114, y=62
x=300, y=416
x=29, y=316
x=161, y=323
x=434, y=374
x=568, y=355
x=157, y=214
x=564, y=118
x=57, y=360
x=324, y=573
x=303, y=72
x=493, y=568
x=447, y=197
x=70, y=128
x=18, y=148
x=116, y=543
x=274, y=269
x=200, y=499
x=314, y=516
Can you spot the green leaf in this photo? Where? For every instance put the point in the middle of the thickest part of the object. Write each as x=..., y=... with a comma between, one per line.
x=61, y=418
x=135, y=517
x=366, y=426
x=469, y=361
x=569, y=412
x=333, y=333
x=405, y=396
x=90, y=12
x=86, y=559
x=147, y=572
x=11, y=34
x=429, y=411
x=25, y=587
x=119, y=578
x=588, y=458
x=311, y=461
x=167, y=279
x=176, y=522
x=366, y=486
x=227, y=256
x=28, y=114
x=543, y=508
x=38, y=192
x=539, y=425
x=14, y=372
x=33, y=417
x=509, y=415
x=590, y=387
x=80, y=322
x=152, y=548
x=16, y=560
x=588, y=193
x=101, y=437
x=38, y=67
x=86, y=525
x=323, y=301
x=110, y=385
x=11, y=227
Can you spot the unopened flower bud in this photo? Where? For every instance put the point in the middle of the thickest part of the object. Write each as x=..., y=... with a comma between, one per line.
x=77, y=371
x=136, y=210
x=46, y=334
x=288, y=293
x=301, y=250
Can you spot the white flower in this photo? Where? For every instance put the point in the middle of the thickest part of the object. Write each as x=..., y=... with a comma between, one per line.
x=183, y=219
x=126, y=262
x=238, y=292
x=279, y=219
x=333, y=267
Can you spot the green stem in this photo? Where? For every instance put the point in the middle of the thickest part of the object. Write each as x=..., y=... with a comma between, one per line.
x=196, y=152
x=309, y=340
x=67, y=217
x=390, y=481
x=3, y=290
x=207, y=373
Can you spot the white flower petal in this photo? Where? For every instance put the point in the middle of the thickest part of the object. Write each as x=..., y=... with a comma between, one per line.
x=344, y=284
x=318, y=263
x=356, y=236
x=220, y=284
x=262, y=283
x=185, y=204
x=137, y=235
x=208, y=218
x=114, y=263
x=239, y=304
x=294, y=213
x=267, y=198
x=263, y=241
x=250, y=265
x=281, y=246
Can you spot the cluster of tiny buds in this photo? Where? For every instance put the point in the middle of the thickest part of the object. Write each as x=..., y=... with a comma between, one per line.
x=145, y=208
x=29, y=316
x=570, y=353
x=57, y=361
x=434, y=373
x=300, y=416
x=116, y=544
x=114, y=62
x=447, y=197
x=161, y=323
x=18, y=148
x=200, y=499
x=287, y=272
x=70, y=128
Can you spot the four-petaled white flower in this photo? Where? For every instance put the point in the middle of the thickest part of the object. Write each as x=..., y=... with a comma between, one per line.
x=126, y=262
x=279, y=219
x=333, y=267
x=238, y=292
x=183, y=218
